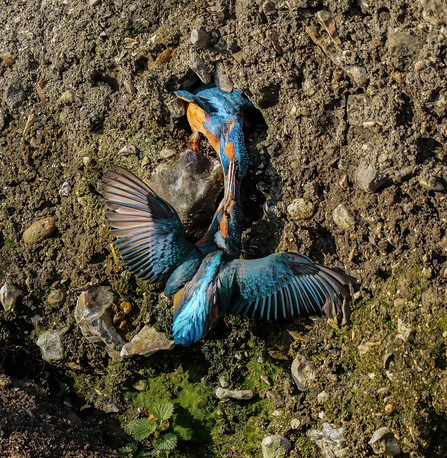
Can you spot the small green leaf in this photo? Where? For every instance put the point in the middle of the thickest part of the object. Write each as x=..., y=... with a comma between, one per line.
x=167, y=442
x=128, y=449
x=141, y=428
x=163, y=410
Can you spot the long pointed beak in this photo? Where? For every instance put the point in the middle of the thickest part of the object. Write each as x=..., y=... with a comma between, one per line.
x=232, y=191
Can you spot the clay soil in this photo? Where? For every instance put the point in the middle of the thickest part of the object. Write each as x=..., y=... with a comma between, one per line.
x=351, y=106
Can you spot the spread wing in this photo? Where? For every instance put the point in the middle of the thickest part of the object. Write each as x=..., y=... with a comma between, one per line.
x=151, y=237
x=282, y=286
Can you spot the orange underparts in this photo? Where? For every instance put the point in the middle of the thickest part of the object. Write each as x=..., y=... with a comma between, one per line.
x=196, y=117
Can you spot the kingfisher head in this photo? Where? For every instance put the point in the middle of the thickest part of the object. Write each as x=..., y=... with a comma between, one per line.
x=228, y=235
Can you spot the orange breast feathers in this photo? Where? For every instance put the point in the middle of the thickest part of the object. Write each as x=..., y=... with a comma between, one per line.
x=196, y=117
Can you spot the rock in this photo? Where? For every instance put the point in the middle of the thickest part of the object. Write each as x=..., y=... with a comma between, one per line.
x=383, y=442
x=8, y=296
x=14, y=94
x=322, y=397
x=147, y=342
x=200, y=38
x=342, y=218
x=330, y=441
x=244, y=395
x=275, y=446
x=176, y=107
x=65, y=189
x=223, y=382
x=191, y=184
x=222, y=80
x=199, y=67
x=401, y=44
x=303, y=372
x=51, y=345
x=295, y=423
x=67, y=97
x=404, y=331
x=434, y=12
x=128, y=149
x=56, y=297
x=8, y=59
x=301, y=209
x=92, y=315
x=40, y=230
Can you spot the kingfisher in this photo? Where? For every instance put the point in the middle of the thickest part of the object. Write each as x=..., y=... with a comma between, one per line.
x=219, y=116
x=208, y=280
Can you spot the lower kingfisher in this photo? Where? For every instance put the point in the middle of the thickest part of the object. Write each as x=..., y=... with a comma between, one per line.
x=208, y=280
x=219, y=116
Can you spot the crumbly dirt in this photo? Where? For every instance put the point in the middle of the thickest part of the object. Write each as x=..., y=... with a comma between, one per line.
x=351, y=110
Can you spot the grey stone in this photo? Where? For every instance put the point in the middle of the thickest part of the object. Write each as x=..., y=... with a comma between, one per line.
x=199, y=67
x=244, y=395
x=303, y=372
x=92, y=315
x=342, y=218
x=200, y=38
x=191, y=184
x=222, y=80
x=275, y=446
x=51, y=345
x=383, y=442
x=14, y=95
x=330, y=441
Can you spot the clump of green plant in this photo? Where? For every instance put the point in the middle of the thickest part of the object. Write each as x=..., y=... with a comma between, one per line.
x=153, y=426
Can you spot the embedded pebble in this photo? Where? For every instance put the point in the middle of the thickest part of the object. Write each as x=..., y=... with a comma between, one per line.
x=86, y=160
x=330, y=441
x=9, y=295
x=8, y=59
x=404, y=331
x=40, y=230
x=167, y=152
x=56, y=297
x=93, y=318
x=295, y=423
x=200, y=38
x=141, y=385
x=15, y=94
x=266, y=380
x=223, y=382
x=223, y=393
x=303, y=372
x=65, y=189
x=383, y=442
x=199, y=67
x=222, y=80
x=389, y=408
x=383, y=391
x=301, y=209
x=176, y=107
x=128, y=149
x=191, y=184
x=322, y=397
x=147, y=342
x=51, y=345
x=342, y=218
x=67, y=97
x=275, y=446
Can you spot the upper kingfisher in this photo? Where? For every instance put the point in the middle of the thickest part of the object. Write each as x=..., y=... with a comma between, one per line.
x=208, y=280
x=219, y=116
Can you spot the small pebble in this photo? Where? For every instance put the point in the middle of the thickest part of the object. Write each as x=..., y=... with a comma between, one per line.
x=383, y=442
x=5, y=381
x=275, y=446
x=56, y=297
x=40, y=230
x=8, y=59
x=266, y=380
x=200, y=38
x=389, y=408
x=223, y=382
x=65, y=189
x=86, y=160
x=222, y=80
x=223, y=393
x=322, y=397
x=67, y=97
x=128, y=149
x=295, y=423
x=9, y=295
x=342, y=218
x=301, y=209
